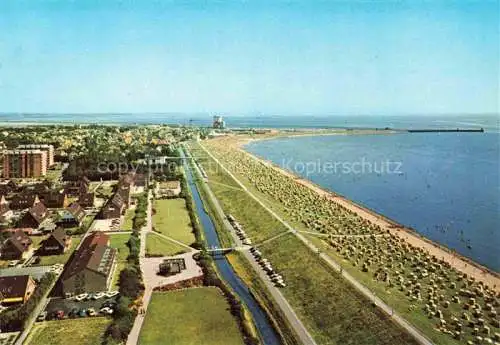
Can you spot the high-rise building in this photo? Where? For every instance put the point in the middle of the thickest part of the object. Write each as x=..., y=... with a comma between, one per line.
x=24, y=163
x=49, y=149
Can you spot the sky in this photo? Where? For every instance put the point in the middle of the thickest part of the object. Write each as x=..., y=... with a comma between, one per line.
x=248, y=57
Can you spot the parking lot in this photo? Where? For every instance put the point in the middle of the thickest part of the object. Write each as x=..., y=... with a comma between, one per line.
x=112, y=224
x=68, y=305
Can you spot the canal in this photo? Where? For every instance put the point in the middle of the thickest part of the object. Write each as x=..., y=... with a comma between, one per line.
x=264, y=327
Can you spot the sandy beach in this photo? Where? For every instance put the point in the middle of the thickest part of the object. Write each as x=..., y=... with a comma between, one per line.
x=459, y=262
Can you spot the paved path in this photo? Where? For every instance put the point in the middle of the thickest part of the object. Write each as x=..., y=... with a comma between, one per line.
x=173, y=240
x=294, y=321
x=319, y=234
x=422, y=339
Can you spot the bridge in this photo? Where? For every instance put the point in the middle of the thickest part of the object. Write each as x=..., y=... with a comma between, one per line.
x=216, y=251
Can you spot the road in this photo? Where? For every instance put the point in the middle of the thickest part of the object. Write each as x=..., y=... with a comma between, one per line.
x=422, y=339
x=294, y=321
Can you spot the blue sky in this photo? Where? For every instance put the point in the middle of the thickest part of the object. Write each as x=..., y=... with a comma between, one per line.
x=330, y=57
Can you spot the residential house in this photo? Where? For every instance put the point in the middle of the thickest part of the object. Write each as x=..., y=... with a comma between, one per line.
x=87, y=199
x=23, y=201
x=17, y=246
x=7, y=187
x=27, y=231
x=72, y=216
x=114, y=208
x=54, y=199
x=34, y=217
x=37, y=188
x=57, y=243
x=78, y=187
x=16, y=289
x=6, y=213
x=91, y=267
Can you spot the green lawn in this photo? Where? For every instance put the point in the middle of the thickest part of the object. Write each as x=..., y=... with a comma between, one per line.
x=254, y=219
x=60, y=259
x=331, y=308
x=172, y=219
x=88, y=331
x=189, y=317
x=159, y=246
x=128, y=220
x=119, y=242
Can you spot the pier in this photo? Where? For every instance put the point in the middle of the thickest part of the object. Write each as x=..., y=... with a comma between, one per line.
x=455, y=130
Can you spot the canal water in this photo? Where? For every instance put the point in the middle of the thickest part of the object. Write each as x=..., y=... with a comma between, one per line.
x=264, y=327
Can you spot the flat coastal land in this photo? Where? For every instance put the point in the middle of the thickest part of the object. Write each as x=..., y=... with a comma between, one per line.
x=457, y=261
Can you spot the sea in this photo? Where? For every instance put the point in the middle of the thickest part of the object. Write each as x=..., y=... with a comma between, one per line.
x=445, y=186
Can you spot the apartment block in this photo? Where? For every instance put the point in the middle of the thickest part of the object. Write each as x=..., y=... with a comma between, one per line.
x=24, y=163
x=49, y=149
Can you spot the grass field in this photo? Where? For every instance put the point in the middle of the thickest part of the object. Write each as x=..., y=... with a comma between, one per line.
x=159, y=246
x=119, y=242
x=260, y=292
x=332, y=309
x=190, y=317
x=172, y=219
x=254, y=219
x=328, y=305
x=88, y=331
x=60, y=259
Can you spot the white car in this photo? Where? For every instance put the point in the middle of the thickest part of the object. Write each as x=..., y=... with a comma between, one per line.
x=99, y=295
x=82, y=297
x=106, y=310
x=110, y=294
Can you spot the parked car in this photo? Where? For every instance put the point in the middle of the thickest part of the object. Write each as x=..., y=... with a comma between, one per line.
x=59, y=314
x=12, y=263
x=106, y=311
x=42, y=316
x=99, y=295
x=109, y=304
x=73, y=313
x=82, y=312
x=82, y=297
x=91, y=312
x=110, y=294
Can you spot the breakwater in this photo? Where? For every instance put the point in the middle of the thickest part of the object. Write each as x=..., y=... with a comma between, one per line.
x=454, y=130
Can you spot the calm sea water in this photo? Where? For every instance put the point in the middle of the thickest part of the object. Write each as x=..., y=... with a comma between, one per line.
x=488, y=122
x=446, y=186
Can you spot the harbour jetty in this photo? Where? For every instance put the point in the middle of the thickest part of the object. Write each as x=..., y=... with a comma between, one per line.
x=454, y=130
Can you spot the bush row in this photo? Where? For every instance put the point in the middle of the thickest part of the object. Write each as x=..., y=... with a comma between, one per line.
x=140, y=212
x=130, y=282
x=195, y=223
